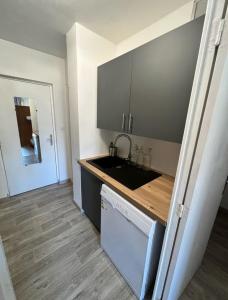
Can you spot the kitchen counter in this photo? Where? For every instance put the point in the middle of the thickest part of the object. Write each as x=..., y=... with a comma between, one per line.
x=152, y=198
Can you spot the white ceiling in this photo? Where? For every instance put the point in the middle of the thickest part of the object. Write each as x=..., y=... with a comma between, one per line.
x=42, y=24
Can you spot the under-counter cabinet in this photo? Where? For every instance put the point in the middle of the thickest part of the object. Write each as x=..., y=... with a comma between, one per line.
x=147, y=91
x=91, y=198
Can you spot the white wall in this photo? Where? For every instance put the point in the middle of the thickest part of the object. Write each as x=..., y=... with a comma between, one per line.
x=19, y=61
x=168, y=23
x=85, y=51
x=92, y=50
x=164, y=155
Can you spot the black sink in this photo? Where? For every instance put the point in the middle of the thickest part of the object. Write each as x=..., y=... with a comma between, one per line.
x=107, y=162
x=124, y=171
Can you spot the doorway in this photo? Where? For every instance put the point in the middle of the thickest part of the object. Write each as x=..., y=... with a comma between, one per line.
x=27, y=135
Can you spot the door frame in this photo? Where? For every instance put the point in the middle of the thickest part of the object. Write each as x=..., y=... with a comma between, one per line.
x=50, y=85
x=204, y=68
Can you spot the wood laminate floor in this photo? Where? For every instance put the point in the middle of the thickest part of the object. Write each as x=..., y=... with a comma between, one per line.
x=211, y=280
x=53, y=251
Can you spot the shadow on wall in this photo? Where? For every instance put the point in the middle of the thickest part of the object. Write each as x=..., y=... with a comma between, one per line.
x=224, y=202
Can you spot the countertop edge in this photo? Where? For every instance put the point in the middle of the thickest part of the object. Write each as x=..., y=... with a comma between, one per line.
x=124, y=191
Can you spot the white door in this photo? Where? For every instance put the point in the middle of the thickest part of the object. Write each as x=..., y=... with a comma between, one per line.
x=206, y=181
x=26, y=135
x=204, y=69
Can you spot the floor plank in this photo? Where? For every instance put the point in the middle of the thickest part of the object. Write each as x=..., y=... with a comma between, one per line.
x=53, y=251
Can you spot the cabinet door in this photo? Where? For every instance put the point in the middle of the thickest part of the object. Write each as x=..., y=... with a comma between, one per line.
x=162, y=77
x=113, y=98
x=91, y=198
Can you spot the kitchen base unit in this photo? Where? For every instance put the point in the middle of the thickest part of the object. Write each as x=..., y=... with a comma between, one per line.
x=131, y=239
x=91, y=197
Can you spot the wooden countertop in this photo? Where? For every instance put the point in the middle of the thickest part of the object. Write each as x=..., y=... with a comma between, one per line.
x=152, y=198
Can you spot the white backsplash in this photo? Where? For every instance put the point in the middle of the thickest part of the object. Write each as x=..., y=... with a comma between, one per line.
x=157, y=154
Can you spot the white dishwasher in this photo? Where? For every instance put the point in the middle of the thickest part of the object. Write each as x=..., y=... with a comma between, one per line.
x=131, y=239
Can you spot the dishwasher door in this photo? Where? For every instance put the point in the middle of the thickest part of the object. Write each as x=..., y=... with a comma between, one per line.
x=127, y=254
x=125, y=243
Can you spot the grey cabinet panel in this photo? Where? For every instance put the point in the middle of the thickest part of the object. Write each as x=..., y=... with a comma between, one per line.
x=162, y=77
x=114, y=80
x=91, y=198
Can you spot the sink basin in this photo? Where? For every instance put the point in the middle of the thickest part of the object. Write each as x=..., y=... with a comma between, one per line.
x=124, y=171
x=107, y=162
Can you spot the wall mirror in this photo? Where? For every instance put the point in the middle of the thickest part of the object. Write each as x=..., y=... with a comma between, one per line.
x=27, y=122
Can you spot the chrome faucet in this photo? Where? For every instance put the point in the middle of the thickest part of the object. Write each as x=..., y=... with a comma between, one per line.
x=130, y=142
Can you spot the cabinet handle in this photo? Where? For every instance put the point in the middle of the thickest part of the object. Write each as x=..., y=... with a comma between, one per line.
x=130, y=121
x=51, y=139
x=123, y=122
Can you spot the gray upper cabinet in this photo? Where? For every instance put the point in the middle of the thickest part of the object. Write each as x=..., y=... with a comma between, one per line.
x=162, y=77
x=151, y=85
x=114, y=79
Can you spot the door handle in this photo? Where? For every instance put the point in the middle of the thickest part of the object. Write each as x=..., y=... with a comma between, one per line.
x=123, y=122
x=130, y=121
